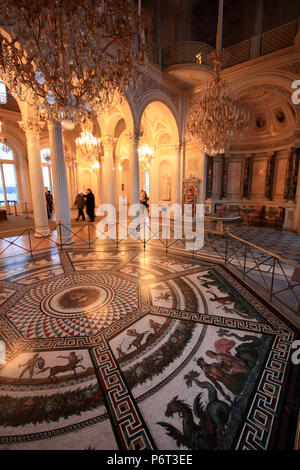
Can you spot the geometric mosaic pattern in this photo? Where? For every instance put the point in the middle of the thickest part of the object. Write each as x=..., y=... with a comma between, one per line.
x=40, y=315
x=125, y=349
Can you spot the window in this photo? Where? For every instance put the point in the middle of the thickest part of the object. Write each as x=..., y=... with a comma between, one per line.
x=146, y=182
x=47, y=170
x=6, y=153
x=46, y=176
x=3, y=93
x=8, y=178
x=45, y=156
x=2, y=196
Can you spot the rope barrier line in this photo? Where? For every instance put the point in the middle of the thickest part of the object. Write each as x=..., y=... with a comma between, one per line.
x=245, y=258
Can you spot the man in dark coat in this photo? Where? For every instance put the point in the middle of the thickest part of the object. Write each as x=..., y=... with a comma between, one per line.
x=90, y=204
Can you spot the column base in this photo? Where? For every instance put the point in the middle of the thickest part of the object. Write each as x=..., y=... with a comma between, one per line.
x=66, y=242
x=64, y=234
x=41, y=232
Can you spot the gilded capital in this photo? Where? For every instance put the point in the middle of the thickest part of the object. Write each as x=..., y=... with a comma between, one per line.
x=133, y=137
x=108, y=142
x=31, y=126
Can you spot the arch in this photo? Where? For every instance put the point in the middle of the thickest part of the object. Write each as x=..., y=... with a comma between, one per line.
x=161, y=132
x=108, y=120
x=278, y=78
x=156, y=96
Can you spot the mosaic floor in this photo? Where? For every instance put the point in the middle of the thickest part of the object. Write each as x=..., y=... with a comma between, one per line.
x=132, y=350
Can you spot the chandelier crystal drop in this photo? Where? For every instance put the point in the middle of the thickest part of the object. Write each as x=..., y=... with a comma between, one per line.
x=215, y=118
x=146, y=156
x=72, y=54
x=88, y=146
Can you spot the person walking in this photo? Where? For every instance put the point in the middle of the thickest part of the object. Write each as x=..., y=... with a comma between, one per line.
x=144, y=199
x=90, y=204
x=49, y=202
x=80, y=203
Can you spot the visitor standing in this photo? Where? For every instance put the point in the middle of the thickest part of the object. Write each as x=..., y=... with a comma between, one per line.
x=144, y=199
x=80, y=203
x=90, y=204
x=49, y=202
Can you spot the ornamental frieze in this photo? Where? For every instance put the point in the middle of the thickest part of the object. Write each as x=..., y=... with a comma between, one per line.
x=293, y=68
x=147, y=83
x=288, y=141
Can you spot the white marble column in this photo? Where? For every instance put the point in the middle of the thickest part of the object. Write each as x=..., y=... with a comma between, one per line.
x=32, y=131
x=102, y=195
x=134, y=182
x=60, y=185
x=177, y=193
x=73, y=185
x=108, y=143
x=118, y=183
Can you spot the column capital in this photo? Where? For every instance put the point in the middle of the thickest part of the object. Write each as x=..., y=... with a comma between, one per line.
x=108, y=141
x=133, y=136
x=31, y=126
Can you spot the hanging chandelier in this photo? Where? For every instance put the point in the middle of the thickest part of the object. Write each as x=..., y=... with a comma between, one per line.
x=146, y=156
x=215, y=119
x=88, y=147
x=70, y=56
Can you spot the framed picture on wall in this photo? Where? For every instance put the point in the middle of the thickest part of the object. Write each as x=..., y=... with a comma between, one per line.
x=190, y=193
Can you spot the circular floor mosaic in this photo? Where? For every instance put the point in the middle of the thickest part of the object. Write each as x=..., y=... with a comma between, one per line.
x=76, y=301
x=75, y=305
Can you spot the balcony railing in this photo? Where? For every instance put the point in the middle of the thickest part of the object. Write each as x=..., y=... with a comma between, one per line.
x=257, y=46
x=185, y=52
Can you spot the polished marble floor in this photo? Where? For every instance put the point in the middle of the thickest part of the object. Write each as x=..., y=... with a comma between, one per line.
x=126, y=349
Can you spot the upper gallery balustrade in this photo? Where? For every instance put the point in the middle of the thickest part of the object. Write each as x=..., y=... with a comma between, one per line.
x=256, y=46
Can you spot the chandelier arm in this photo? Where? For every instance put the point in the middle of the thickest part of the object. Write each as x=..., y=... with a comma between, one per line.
x=79, y=57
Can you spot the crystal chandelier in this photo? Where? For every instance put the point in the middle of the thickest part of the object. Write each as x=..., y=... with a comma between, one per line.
x=215, y=118
x=146, y=156
x=71, y=55
x=88, y=147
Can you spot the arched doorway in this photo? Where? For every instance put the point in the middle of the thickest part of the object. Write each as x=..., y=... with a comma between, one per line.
x=160, y=132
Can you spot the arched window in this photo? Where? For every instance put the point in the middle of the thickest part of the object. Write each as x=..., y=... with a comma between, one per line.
x=47, y=170
x=8, y=178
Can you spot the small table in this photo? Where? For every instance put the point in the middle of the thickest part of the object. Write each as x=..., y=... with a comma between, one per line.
x=3, y=215
x=222, y=218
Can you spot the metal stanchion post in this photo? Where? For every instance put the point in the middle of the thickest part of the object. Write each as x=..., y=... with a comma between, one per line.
x=245, y=261
x=272, y=279
x=144, y=237
x=26, y=210
x=29, y=239
x=89, y=235
x=226, y=247
x=60, y=236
